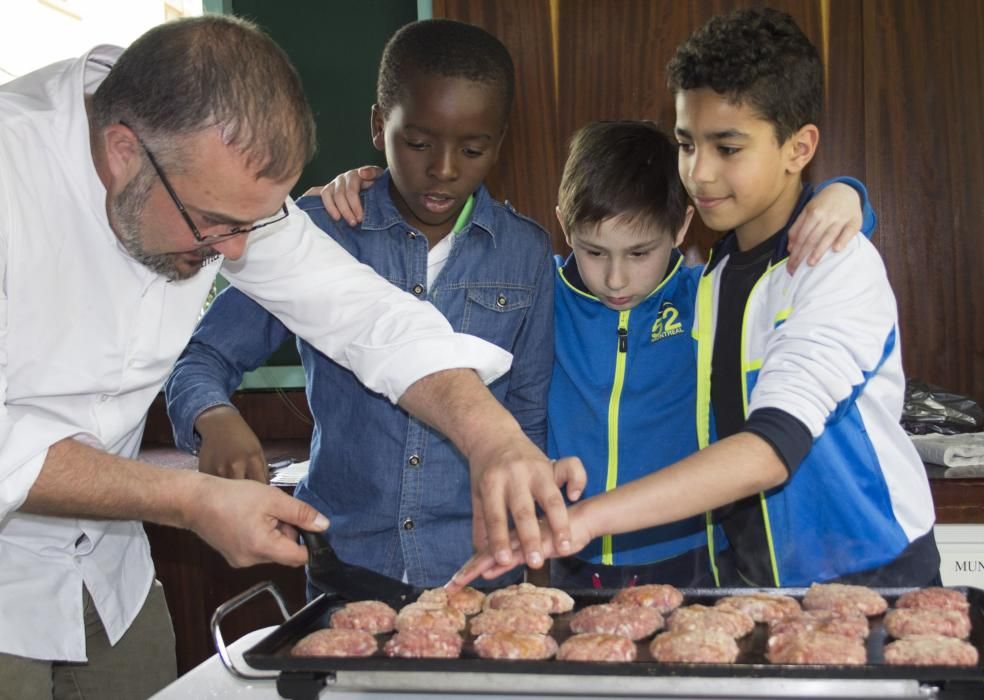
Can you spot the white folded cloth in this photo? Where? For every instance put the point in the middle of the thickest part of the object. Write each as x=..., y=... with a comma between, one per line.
x=961, y=450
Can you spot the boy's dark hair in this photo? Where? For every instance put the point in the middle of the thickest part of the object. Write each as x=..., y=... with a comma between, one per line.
x=445, y=48
x=623, y=168
x=754, y=56
x=212, y=71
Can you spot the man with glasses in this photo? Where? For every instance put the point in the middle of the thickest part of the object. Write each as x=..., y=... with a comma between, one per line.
x=127, y=180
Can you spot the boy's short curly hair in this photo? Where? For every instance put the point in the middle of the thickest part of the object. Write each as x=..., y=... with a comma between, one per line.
x=754, y=56
x=443, y=47
x=626, y=169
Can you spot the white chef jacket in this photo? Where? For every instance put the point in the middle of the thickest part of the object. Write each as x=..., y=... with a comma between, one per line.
x=88, y=336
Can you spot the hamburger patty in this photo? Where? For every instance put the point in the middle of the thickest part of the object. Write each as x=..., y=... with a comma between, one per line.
x=515, y=645
x=662, y=597
x=934, y=597
x=847, y=624
x=336, y=642
x=372, y=616
x=930, y=650
x=907, y=622
x=424, y=644
x=844, y=597
x=511, y=619
x=626, y=621
x=816, y=648
x=733, y=623
x=597, y=647
x=761, y=607
x=700, y=646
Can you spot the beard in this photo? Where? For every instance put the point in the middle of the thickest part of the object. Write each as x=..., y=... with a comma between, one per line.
x=126, y=212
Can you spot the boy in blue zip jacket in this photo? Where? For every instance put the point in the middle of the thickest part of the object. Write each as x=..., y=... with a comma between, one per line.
x=397, y=492
x=803, y=462
x=623, y=392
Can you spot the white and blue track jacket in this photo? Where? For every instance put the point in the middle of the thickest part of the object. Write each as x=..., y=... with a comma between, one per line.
x=823, y=346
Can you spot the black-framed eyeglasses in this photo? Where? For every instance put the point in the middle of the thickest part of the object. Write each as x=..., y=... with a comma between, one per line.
x=233, y=230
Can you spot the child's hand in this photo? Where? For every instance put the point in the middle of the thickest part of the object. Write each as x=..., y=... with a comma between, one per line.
x=484, y=564
x=571, y=472
x=832, y=218
x=341, y=195
x=230, y=448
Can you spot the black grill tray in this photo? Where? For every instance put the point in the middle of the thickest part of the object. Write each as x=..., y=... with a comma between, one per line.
x=273, y=652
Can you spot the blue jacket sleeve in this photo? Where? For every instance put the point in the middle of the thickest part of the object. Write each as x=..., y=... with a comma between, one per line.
x=869, y=219
x=234, y=336
x=533, y=360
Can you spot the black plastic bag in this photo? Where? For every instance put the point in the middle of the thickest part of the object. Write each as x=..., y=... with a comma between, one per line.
x=931, y=409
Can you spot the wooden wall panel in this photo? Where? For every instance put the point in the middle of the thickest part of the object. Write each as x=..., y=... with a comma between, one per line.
x=924, y=82
x=905, y=91
x=529, y=165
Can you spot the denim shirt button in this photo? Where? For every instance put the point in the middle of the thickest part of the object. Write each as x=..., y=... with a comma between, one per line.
x=408, y=524
x=414, y=461
x=501, y=301
x=411, y=235
x=418, y=289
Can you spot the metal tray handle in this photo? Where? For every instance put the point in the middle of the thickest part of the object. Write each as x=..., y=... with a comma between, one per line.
x=230, y=605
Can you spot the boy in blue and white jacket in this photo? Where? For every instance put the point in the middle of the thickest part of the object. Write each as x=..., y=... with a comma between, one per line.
x=799, y=386
x=623, y=392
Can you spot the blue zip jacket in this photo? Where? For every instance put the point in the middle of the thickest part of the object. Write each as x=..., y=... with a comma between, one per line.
x=622, y=399
x=397, y=492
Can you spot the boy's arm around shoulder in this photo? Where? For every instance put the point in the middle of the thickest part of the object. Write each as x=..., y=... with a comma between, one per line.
x=841, y=324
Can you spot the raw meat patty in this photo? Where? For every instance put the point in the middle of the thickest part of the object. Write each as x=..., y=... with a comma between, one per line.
x=661, y=596
x=420, y=616
x=515, y=645
x=468, y=600
x=847, y=624
x=930, y=650
x=511, y=619
x=372, y=616
x=597, y=647
x=935, y=597
x=424, y=644
x=633, y=622
x=841, y=597
x=908, y=622
x=761, y=607
x=816, y=648
x=733, y=623
x=703, y=646
x=526, y=595
x=336, y=642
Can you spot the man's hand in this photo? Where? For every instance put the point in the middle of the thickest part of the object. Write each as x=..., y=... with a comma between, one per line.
x=831, y=219
x=341, y=195
x=488, y=567
x=230, y=448
x=252, y=524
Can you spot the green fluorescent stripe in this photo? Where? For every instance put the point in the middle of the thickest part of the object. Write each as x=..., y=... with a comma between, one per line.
x=464, y=216
x=704, y=333
x=607, y=547
x=709, y=525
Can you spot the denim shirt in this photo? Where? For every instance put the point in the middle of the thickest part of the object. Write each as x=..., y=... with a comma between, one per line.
x=396, y=491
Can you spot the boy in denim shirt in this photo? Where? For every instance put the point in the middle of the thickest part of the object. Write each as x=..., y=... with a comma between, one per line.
x=397, y=492
x=799, y=377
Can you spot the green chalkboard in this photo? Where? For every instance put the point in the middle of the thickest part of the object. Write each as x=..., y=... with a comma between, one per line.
x=335, y=46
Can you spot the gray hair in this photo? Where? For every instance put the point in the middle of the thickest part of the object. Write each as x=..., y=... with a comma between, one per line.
x=213, y=71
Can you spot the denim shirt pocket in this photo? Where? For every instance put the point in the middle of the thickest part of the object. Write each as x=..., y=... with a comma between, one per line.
x=496, y=313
